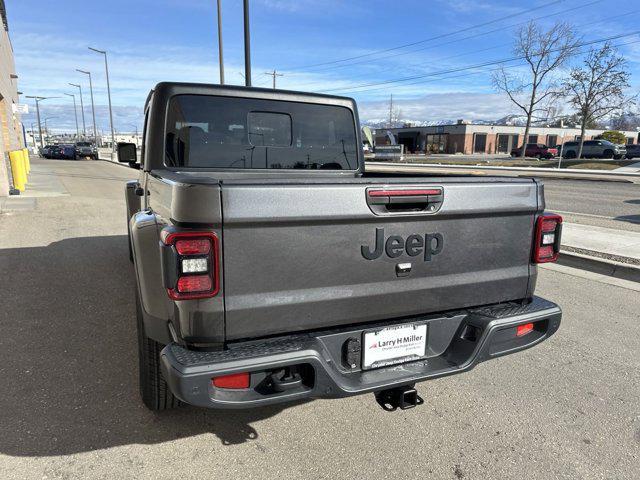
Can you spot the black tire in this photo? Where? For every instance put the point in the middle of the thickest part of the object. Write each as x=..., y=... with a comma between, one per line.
x=154, y=390
x=607, y=154
x=538, y=157
x=129, y=243
x=514, y=154
x=570, y=154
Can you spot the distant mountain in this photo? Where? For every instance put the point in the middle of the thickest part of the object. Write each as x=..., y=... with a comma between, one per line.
x=384, y=123
x=627, y=121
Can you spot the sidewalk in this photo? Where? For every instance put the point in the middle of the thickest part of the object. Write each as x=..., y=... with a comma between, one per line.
x=633, y=168
x=619, y=245
x=604, y=251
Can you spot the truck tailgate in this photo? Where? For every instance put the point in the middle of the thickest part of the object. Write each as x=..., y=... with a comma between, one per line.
x=294, y=254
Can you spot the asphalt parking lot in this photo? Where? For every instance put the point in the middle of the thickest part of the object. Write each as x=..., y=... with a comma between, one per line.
x=69, y=406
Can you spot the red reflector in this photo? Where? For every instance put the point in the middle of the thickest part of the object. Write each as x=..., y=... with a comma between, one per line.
x=549, y=225
x=403, y=193
x=545, y=252
x=234, y=381
x=194, y=283
x=522, y=330
x=193, y=246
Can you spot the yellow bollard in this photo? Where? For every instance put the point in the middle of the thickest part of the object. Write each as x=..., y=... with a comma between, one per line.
x=27, y=160
x=17, y=170
x=24, y=167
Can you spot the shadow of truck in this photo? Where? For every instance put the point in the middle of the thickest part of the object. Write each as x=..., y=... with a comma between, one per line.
x=69, y=358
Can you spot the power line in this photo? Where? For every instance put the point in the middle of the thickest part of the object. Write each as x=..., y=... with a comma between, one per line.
x=470, y=37
x=420, y=82
x=484, y=64
x=480, y=34
x=311, y=84
x=436, y=37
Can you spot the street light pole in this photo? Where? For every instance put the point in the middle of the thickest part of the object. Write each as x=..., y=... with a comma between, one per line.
x=106, y=67
x=247, y=46
x=84, y=126
x=220, y=56
x=46, y=128
x=75, y=111
x=38, y=100
x=93, y=106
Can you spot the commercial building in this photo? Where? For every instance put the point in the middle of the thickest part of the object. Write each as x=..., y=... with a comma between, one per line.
x=468, y=138
x=11, y=134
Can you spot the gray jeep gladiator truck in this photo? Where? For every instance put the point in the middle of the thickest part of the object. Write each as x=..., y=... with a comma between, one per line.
x=272, y=267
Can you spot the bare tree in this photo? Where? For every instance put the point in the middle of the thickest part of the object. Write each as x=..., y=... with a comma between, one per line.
x=543, y=52
x=597, y=89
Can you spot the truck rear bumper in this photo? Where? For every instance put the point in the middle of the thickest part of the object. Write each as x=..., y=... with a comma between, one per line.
x=457, y=341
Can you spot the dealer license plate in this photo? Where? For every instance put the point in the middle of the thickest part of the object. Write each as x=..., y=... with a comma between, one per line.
x=392, y=345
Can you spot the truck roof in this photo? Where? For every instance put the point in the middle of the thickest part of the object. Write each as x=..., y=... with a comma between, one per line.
x=169, y=89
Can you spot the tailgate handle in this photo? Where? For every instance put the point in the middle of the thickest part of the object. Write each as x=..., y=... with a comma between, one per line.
x=404, y=200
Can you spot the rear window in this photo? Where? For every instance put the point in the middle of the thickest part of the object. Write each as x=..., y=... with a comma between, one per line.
x=224, y=132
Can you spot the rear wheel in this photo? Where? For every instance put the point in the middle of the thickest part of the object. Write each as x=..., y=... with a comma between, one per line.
x=538, y=156
x=570, y=154
x=607, y=154
x=129, y=242
x=154, y=390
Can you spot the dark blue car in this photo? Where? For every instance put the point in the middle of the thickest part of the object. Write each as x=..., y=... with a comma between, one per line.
x=67, y=152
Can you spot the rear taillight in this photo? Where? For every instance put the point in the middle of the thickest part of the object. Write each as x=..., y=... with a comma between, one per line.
x=194, y=264
x=547, y=240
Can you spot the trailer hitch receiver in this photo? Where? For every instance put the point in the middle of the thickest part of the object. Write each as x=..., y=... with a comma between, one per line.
x=402, y=397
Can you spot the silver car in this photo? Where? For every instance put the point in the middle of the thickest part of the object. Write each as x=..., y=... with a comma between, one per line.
x=594, y=149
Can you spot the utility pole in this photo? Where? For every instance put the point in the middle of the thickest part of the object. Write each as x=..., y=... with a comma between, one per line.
x=93, y=106
x=106, y=67
x=274, y=74
x=84, y=126
x=220, y=56
x=391, y=111
x=38, y=100
x=247, y=45
x=75, y=111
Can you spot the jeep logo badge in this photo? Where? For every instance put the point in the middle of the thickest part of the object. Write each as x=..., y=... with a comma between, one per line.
x=429, y=245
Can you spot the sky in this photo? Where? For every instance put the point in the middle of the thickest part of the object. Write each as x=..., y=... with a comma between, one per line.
x=427, y=54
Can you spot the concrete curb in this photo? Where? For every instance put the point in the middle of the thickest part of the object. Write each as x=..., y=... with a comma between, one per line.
x=600, y=266
x=572, y=174
x=113, y=162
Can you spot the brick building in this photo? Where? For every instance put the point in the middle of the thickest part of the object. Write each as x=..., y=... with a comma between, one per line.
x=11, y=134
x=470, y=138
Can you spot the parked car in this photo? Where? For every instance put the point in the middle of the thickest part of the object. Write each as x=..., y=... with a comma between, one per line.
x=53, y=152
x=633, y=151
x=67, y=151
x=535, y=150
x=594, y=149
x=86, y=150
x=46, y=151
x=272, y=267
